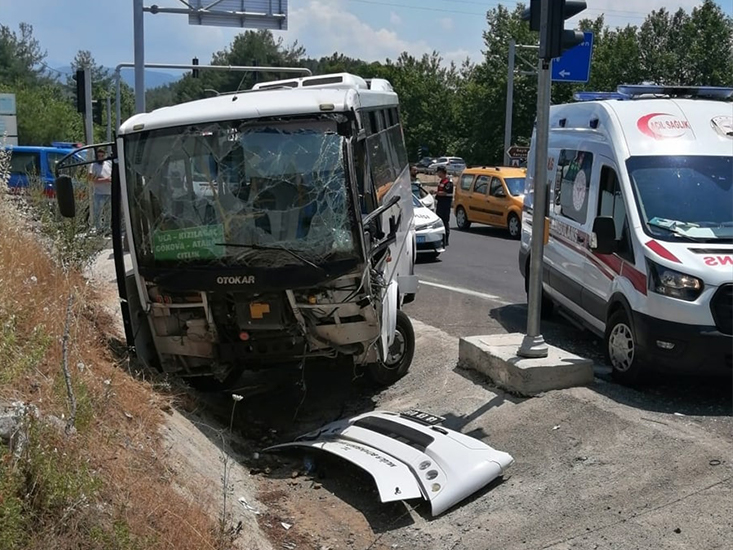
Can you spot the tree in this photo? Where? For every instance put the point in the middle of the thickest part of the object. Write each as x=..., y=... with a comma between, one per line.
x=482, y=96
x=425, y=90
x=21, y=57
x=45, y=115
x=709, y=55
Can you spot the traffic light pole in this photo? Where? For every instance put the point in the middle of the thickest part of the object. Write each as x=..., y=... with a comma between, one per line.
x=534, y=345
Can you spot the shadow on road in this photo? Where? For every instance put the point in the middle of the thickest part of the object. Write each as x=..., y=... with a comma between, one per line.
x=488, y=231
x=664, y=392
x=428, y=259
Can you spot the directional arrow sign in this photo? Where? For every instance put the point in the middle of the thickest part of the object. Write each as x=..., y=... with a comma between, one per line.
x=518, y=152
x=574, y=65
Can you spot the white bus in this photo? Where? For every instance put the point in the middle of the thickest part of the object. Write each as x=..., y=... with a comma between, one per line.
x=266, y=228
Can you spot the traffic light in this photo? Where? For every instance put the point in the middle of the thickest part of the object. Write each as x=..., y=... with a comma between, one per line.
x=195, y=72
x=80, y=85
x=97, y=109
x=554, y=38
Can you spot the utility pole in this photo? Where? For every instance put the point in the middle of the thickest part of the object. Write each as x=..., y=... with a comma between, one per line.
x=109, y=118
x=509, y=103
x=548, y=17
x=526, y=68
x=138, y=20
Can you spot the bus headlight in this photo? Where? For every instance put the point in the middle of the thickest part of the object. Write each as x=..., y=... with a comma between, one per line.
x=674, y=284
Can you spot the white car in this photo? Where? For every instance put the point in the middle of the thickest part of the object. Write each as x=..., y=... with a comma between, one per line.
x=452, y=165
x=429, y=230
x=423, y=195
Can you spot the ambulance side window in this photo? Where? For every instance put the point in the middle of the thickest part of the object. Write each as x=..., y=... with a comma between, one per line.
x=611, y=203
x=572, y=184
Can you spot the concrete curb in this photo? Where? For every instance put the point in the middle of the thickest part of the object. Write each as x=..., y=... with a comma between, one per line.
x=496, y=357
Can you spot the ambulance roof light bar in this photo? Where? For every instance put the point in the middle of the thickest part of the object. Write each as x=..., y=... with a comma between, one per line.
x=598, y=96
x=701, y=92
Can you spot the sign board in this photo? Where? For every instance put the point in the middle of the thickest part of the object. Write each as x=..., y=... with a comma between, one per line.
x=7, y=104
x=8, y=125
x=9, y=140
x=574, y=64
x=519, y=152
x=195, y=243
x=249, y=14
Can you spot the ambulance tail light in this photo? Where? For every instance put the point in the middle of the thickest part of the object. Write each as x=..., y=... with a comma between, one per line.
x=674, y=284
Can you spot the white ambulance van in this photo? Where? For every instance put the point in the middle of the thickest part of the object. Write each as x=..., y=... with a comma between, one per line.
x=640, y=210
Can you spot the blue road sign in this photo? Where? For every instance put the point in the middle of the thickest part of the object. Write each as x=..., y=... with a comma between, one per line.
x=574, y=65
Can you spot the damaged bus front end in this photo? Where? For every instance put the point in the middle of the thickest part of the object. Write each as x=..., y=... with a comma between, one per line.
x=260, y=236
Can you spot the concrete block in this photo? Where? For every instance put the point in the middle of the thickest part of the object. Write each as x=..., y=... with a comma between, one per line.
x=496, y=357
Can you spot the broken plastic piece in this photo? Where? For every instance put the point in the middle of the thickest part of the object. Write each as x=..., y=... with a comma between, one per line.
x=409, y=459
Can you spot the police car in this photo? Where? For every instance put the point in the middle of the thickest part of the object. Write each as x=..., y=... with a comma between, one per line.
x=429, y=230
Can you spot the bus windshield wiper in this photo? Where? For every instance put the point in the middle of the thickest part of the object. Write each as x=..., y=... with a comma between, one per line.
x=262, y=247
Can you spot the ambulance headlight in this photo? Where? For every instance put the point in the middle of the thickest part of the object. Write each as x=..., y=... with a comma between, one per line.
x=674, y=284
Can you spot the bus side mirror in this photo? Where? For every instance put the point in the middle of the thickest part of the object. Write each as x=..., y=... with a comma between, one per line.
x=603, y=238
x=65, y=196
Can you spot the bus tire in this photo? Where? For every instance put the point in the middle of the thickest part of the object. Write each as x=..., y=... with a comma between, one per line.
x=399, y=356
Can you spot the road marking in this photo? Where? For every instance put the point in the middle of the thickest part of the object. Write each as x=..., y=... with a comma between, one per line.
x=465, y=291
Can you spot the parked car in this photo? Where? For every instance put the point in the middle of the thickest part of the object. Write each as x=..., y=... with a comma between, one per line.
x=453, y=165
x=492, y=196
x=423, y=164
x=28, y=161
x=429, y=230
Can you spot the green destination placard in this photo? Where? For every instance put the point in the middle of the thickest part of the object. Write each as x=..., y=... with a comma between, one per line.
x=193, y=243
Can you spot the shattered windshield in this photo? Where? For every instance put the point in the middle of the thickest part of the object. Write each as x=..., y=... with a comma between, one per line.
x=688, y=197
x=265, y=194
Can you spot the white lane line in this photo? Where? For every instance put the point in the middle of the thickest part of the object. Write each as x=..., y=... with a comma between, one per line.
x=465, y=291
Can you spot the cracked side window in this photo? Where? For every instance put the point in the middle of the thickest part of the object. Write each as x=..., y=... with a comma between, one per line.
x=239, y=193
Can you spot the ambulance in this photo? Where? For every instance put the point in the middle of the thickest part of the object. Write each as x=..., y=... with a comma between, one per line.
x=639, y=225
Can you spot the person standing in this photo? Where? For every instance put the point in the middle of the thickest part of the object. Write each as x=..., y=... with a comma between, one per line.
x=444, y=200
x=100, y=175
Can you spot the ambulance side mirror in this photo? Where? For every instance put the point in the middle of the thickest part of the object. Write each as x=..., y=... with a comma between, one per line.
x=603, y=238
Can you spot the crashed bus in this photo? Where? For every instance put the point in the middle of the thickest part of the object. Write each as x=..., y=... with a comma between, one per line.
x=266, y=228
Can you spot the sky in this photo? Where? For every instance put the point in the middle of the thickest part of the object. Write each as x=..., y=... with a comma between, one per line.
x=366, y=29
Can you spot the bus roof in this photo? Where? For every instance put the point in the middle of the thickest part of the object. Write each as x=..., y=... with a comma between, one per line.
x=269, y=101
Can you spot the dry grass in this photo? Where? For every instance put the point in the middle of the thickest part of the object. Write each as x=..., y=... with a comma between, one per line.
x=102, y=486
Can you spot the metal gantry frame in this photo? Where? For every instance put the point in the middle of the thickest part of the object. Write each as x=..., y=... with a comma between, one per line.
x=529, y=68
x=139, y=9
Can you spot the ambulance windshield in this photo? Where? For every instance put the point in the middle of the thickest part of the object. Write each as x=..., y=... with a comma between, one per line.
x=684, y=196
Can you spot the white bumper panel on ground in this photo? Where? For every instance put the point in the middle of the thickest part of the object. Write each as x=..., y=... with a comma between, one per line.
x=409, y=459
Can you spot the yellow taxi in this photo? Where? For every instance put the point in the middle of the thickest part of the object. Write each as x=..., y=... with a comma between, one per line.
x=492, y=196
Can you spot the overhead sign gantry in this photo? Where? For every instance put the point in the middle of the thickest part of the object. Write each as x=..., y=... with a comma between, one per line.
x=250, y=14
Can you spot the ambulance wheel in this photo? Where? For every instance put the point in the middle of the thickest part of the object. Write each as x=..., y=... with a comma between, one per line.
x=399, y=355
x=462, y=219
x=622, y=349
x=514, y=226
